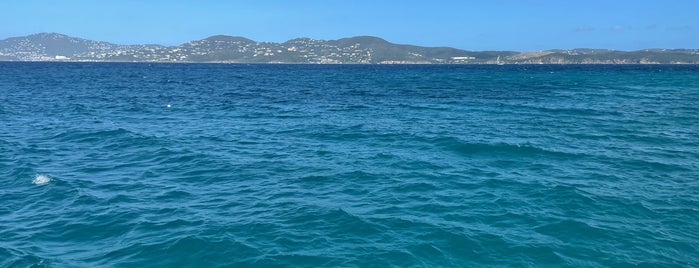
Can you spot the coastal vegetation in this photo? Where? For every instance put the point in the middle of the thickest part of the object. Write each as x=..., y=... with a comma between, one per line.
x=354, y=50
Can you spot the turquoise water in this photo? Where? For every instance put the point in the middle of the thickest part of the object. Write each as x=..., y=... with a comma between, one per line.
x=140, y=165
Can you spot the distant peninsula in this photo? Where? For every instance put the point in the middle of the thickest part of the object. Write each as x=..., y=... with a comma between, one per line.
x=354, y=50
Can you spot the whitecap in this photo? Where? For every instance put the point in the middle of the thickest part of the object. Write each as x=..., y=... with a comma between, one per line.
x=41, y=179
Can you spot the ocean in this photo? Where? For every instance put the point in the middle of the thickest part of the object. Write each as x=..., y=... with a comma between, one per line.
x=235, y=165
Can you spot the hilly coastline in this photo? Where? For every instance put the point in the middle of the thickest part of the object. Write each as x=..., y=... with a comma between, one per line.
x=354, y=50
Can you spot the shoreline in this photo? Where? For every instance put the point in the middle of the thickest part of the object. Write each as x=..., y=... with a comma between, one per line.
x=323, y=63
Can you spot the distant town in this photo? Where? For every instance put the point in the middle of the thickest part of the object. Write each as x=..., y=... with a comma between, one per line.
x=354, y=50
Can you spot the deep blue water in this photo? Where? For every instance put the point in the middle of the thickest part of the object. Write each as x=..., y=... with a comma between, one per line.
x=145, y=165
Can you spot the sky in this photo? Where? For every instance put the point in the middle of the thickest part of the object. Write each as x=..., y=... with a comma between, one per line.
x=519, y=25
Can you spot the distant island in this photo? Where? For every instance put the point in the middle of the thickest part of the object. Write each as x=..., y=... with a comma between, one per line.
x=354, y=50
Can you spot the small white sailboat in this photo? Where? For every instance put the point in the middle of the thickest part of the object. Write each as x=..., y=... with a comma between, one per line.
x=498, y=62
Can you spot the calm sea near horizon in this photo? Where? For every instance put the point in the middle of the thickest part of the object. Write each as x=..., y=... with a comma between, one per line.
x=228, y=165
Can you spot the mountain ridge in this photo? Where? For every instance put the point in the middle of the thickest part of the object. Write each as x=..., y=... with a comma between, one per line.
x=350, y=50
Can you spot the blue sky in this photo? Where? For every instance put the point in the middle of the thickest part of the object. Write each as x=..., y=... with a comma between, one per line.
x=473, y=25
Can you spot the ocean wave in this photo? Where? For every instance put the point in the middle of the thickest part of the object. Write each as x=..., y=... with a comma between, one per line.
x=89, y=136
x=576, y=112
x=174, y=251
x=499, y=149
x=13, y=258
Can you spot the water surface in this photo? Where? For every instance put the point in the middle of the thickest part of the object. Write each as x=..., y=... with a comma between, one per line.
x=133, y=165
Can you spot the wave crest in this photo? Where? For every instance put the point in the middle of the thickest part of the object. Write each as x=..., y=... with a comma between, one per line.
x=41, y=179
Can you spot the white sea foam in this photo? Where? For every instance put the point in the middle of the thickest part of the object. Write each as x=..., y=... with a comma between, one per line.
x=41, y=179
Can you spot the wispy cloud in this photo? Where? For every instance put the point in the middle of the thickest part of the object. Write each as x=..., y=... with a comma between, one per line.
x=584, y=29
x=682, y=28
x=620, y=28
